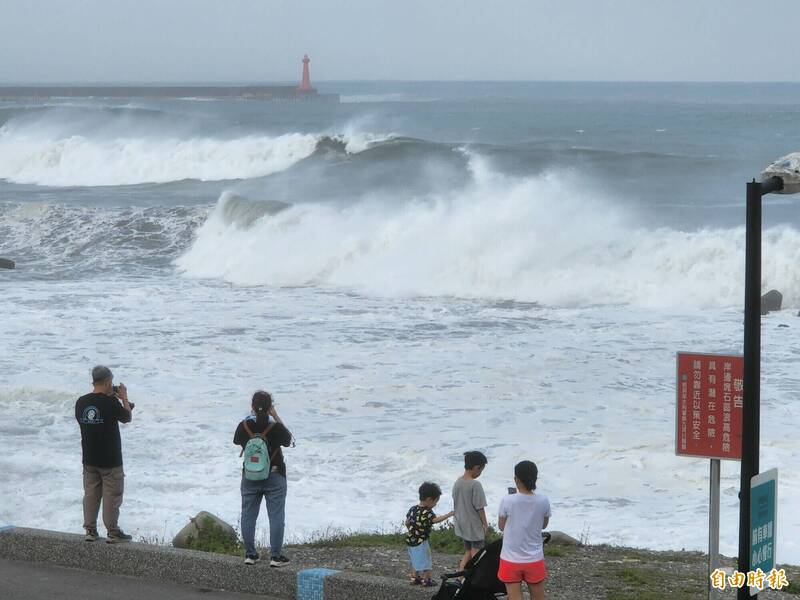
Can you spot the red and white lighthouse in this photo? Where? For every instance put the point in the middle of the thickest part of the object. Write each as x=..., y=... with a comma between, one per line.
x=305, y=84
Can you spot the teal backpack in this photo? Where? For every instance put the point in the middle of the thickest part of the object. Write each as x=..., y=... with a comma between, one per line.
x=256, y=455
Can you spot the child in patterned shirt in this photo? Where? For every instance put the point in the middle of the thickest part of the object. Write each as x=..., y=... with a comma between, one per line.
x=419, y=522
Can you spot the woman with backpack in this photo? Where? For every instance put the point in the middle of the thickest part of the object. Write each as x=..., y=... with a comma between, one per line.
x=261, y=436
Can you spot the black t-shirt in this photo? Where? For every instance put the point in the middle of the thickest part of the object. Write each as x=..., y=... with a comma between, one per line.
x=99, y=416
x=278, y=436
x=419, y=521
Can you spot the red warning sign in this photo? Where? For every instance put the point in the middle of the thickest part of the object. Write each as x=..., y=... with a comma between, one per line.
x=709, y=412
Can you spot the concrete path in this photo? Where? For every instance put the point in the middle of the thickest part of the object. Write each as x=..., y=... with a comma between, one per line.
x=21, y=580
x=150, y=572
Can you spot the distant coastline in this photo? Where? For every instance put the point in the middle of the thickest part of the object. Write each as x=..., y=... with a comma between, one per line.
x=251, y=92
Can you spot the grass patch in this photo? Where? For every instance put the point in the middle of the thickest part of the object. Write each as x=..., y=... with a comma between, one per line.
x=794, y=587
x=212, y=538
x=635, y=583
x=558, y=550
x=638, y=595
x=640, y=577
x=443, y=539
x=689, y=557
x=343, y=538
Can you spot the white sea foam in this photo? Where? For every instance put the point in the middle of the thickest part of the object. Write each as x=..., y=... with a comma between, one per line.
x=357, y=141
x=380, y=396
x=538, y=239
x=60, y=238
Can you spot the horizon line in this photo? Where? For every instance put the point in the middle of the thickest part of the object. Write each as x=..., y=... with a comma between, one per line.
x=242, y=82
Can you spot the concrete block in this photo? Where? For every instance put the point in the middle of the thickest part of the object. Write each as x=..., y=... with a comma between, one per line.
x=311, y=583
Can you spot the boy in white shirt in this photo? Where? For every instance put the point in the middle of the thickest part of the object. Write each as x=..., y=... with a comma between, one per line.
x=522, y=517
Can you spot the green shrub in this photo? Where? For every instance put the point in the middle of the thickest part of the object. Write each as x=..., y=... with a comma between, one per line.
x=212, y=538
x=343, y=538
x=443, y=539
x=554, y=550
x=793, y=588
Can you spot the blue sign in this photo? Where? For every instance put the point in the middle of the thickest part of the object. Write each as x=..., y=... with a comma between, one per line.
x=763, y=520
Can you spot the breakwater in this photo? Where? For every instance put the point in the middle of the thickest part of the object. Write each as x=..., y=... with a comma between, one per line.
x=254, y=92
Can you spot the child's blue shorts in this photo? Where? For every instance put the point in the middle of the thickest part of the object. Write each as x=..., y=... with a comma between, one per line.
x=421, y=557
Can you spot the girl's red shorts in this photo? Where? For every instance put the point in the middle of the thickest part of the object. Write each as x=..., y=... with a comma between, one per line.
x=510, y=572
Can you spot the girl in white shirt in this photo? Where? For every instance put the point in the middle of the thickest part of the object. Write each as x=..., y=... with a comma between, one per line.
x=522, y=517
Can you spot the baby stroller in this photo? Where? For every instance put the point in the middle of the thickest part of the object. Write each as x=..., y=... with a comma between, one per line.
x=480, y=576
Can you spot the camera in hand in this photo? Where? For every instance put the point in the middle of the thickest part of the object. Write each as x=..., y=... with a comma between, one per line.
x=116, y=391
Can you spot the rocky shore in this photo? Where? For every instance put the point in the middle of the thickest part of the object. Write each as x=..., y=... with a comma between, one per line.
x=575, y=573
x=373, y=567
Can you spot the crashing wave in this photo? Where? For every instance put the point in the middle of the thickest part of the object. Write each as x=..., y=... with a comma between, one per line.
x=109, y=146
x=82, y=161
x=541, y=239
x=244, y=212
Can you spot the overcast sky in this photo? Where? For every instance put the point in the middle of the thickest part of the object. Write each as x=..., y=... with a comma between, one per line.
x=264, y=40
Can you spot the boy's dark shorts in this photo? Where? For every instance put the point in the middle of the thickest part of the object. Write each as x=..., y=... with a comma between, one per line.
x=473, y=544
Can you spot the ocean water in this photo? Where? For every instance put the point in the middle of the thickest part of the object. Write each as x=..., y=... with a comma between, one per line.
x=424, y=269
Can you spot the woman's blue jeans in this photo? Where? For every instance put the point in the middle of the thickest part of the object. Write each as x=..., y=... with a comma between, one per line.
x=273, y=489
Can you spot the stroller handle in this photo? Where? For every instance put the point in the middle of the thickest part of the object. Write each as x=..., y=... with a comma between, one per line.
x=545, y=539
x=453, y=575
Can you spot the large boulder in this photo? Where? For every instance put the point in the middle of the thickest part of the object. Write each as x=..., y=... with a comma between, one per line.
x=559, y=538
x=7, y=263
x=203, y=523
x=771, y=301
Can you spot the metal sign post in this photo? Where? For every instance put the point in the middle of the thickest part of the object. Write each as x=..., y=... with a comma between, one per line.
x=713, y=527
x=708, y=424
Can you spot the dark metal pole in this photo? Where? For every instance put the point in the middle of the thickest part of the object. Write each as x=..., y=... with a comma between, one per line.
x=751, y=395
x=752, y=372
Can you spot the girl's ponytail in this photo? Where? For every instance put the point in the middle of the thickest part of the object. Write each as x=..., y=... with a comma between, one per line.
x=262, y=402
x=527, y=473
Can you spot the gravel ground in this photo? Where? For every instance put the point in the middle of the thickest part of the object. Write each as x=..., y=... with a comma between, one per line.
x=582, y=573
